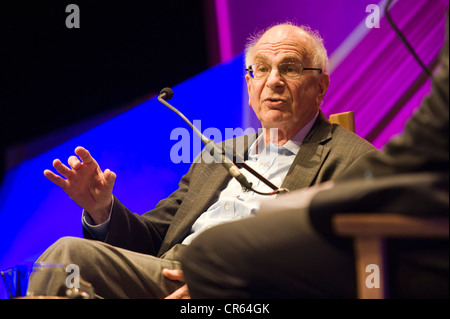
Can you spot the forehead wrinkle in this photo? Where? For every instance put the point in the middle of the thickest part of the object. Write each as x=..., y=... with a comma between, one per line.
x=283, y=41
x=280, y=57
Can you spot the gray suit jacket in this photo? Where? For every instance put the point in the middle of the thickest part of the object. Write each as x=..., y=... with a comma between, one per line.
x=327, y=151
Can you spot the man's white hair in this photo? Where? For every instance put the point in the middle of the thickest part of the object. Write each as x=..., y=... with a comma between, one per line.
x=318, y=55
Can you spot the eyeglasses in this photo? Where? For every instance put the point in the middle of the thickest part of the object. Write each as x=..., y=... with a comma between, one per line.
x=288, y=70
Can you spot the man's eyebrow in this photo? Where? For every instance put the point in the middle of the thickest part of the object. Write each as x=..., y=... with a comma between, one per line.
x=260, y=57
x=292, y=58
x=287, y=58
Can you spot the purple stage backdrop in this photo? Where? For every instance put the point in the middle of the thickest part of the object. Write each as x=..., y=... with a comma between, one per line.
x=371, y=71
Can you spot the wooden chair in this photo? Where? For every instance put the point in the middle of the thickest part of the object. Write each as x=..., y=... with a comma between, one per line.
x=345, y=119
x=370, y=231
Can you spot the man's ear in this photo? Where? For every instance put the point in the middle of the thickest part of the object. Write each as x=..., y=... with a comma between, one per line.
x=248, y=79
x=324, y=83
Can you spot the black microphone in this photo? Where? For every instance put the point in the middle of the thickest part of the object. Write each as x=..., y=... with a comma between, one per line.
x=166, y=94
x=214, y=150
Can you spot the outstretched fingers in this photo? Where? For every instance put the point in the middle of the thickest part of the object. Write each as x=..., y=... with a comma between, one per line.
x=74, y=162
x=82, y=174
x=58, y=180
x=67, y=171
x=62, y=169
x=84, y=155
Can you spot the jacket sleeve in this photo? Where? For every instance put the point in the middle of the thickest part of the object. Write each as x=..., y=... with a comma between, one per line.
x=144, y=233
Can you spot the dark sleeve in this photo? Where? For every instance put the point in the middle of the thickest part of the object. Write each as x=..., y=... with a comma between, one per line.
x=144, y=233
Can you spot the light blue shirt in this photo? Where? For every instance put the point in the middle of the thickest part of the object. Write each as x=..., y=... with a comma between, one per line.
x=272, y=161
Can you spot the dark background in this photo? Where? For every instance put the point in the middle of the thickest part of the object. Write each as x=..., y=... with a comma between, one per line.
x=124, y=52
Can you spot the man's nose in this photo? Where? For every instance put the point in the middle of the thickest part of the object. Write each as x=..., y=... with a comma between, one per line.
x=274, y=80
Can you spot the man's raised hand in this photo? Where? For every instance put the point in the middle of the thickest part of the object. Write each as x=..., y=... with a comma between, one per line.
x=85, y=183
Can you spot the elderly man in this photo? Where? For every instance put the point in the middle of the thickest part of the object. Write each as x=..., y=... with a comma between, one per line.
x=291, y=251
x=137, y=256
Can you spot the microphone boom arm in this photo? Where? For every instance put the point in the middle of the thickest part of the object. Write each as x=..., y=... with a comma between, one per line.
x=202, y=137
x=214, y=150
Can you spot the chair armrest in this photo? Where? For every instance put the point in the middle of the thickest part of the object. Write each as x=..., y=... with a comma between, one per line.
x=389, y=225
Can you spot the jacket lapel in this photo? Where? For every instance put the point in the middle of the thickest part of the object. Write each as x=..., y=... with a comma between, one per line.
x=311, y=155
x=215, y=178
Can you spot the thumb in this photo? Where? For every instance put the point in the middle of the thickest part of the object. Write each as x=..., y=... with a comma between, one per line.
x=110, y=177
x=173, y=274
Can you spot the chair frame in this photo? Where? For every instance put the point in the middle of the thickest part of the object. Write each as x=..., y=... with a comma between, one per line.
x=370, y=231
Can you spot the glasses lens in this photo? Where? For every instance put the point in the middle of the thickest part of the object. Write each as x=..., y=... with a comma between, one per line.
x=290, y=70
x=259, y=70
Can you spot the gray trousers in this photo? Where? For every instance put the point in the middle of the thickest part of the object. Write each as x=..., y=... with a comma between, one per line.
x=113, y=272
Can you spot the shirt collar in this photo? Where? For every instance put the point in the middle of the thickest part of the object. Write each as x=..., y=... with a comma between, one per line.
x=293, y=145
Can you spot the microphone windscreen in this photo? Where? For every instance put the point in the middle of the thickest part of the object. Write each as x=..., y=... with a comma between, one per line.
x=166, y=93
